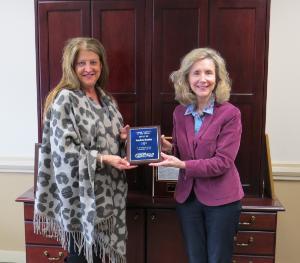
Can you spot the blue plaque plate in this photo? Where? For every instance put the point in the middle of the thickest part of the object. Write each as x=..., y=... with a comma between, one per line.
x=143, y=144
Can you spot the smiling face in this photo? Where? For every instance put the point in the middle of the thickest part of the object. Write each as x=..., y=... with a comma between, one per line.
x=88, y=68
x=202, y=79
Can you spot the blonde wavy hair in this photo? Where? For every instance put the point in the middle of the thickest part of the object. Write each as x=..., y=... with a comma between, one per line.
x=183, y=93
x=69, y=78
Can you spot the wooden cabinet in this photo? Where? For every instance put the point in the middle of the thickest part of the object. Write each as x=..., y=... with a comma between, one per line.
x=239, y=30
x=41, y=250
x=256, y=238
x=154, y=234
x=120, y=25
x=145, y=41
x=38, y=248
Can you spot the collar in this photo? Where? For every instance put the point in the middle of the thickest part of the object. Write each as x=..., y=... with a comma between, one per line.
x=208, y=109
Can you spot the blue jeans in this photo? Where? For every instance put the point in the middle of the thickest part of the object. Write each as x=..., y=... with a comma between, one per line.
x=208, y=231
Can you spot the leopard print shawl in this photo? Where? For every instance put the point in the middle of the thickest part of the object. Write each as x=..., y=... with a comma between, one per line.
x=75, y=197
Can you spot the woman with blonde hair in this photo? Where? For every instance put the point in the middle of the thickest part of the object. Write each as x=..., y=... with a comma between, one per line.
x=81, y=186
x=205, y=141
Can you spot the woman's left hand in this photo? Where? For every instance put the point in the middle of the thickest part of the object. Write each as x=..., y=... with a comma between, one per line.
x=169, y=161
x=124, y=132
x=117, y=162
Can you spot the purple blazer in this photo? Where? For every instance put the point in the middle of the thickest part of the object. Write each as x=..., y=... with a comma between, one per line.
x=209, y=155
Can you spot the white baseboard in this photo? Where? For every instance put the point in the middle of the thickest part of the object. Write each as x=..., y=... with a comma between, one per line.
x=10, y=256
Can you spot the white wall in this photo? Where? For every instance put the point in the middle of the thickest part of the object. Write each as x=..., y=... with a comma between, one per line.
x=18, y=112
x=283, y=101
x=18, y=118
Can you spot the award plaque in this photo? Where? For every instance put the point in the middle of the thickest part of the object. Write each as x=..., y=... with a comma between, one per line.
x=143, y=144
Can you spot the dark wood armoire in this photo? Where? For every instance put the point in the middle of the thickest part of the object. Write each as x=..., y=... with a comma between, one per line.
x=145, y=41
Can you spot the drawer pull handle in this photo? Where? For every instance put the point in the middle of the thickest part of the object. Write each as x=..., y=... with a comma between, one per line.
x=47, y=254
x=251, y=221
x=153, y=218
x=251, y=240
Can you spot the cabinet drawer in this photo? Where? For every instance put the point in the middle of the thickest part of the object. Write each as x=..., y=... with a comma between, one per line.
x=257, y=221
x=254, y=243
x=45, y=254
x=249, y=259
x=32, y=238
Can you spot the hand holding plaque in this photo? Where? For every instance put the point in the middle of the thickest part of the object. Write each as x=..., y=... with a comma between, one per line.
x=143, y=145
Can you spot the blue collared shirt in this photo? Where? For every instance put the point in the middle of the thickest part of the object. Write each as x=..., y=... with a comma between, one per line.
x=199, y=117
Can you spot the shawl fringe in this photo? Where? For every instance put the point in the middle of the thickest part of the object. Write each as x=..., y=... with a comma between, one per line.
x=50, y=228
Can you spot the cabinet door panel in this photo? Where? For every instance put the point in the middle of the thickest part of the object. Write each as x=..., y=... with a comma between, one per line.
x=238, y=30
x=164, y=239
x=179, y=26
x=136, y=235
x=57, y=22
x=120, y=26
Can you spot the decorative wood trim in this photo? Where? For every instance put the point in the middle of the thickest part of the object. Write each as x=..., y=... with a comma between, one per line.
x=16, y=165
x=286, y=171
x=270, y=173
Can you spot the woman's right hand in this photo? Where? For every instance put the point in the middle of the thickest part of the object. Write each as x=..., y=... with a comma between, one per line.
x=117, y=162
x=166, y=146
